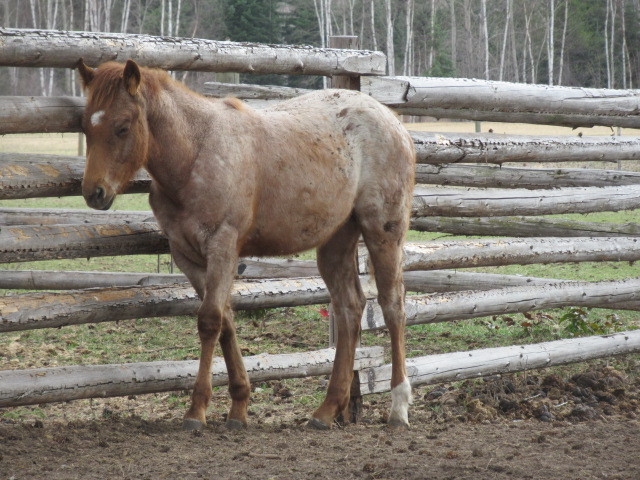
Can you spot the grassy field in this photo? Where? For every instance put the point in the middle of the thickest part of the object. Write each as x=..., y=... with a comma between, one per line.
x=291, y=329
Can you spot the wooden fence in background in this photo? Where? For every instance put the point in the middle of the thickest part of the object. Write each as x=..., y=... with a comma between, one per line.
x=464, y=189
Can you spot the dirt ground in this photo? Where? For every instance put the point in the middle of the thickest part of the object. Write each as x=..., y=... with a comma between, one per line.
x=531, y=426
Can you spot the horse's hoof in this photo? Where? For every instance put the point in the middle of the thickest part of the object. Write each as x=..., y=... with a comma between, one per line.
x=317, y=424
x=397, y=424
x=192, y=425
x=233, y=424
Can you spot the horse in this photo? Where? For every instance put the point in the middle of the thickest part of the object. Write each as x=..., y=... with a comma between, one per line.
x=320, y=170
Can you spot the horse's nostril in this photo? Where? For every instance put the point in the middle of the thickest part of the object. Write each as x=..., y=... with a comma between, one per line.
x=99, y=193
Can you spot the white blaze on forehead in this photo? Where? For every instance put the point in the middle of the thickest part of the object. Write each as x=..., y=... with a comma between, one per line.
x=96, y=118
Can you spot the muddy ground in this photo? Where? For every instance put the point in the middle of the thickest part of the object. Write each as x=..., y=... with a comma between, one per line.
x=561, y=425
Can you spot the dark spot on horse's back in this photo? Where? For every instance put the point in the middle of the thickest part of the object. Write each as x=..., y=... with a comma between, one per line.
x=343, y=113
x=390, y=226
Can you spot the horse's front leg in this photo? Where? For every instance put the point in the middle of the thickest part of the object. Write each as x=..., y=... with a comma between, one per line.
x=215, y=320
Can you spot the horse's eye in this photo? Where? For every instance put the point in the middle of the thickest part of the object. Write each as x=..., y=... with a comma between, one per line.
x=122, y=131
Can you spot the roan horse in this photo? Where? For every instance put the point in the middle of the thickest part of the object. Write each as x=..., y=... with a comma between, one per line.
x=227, y=181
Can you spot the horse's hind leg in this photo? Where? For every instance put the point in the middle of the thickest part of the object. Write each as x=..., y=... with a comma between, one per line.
x=337, y=263
x=383, y=234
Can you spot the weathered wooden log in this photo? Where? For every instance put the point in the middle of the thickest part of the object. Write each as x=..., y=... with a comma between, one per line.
x=248, y=269
x=456, y=281
x=469, y=175
x=416, y=281
x=456, y=366
x=40, y=114
x=474, y=99
x=446, y=307
x=431, y=281
x=459, y=202
x=70, y=216
x=74, y=280
x=29, y=243
x=53, y=48
x=252, y=92
x=46, y=385
x=438, y=148
x=514, y=251
x=47, y=310
x=29, y=176
x=523, y=227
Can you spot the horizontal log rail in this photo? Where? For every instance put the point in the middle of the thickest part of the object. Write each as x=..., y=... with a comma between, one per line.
x=75, y=280
x=95, y=305
x=24, y=175
x=458, y=202
x=514, y=251
x=22, y=243
x=437, y=148
x=446, y=307
x=40, y=114
x=456, y=366
x=55, y=48
x=31, y=243
x=523, y=227
x=474, y=99
x=252, y=92
x=488, y=176
x=11, y=216
x=415, y=281
x=52, y=310
x=45, y=385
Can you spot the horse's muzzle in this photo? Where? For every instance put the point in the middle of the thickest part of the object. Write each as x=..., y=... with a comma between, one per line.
x=99, y=199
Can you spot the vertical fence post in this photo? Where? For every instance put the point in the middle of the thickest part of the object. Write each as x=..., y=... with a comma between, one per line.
x=354, y=409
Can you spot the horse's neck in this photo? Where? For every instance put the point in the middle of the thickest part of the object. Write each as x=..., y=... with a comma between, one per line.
x=172, y=117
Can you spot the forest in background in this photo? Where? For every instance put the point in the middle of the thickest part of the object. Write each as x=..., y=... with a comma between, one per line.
x=591, y=43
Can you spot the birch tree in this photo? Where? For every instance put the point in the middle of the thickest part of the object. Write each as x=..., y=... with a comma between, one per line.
x=485, y=30
x=504, y=40
x=564, y=36
x=391, y=68
x=407, y=67
x=550, y=41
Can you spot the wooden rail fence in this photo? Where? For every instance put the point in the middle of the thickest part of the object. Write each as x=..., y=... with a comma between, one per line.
x=464, y=189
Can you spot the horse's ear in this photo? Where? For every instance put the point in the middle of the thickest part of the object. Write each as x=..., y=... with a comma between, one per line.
x=131, y=77
x=86, y=73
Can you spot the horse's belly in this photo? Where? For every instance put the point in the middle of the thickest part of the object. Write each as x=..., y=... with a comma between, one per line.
x=291, y=230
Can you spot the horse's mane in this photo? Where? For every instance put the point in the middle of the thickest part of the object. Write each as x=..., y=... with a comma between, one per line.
x=107, y=82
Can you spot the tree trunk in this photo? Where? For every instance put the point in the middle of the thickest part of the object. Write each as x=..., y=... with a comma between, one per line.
x=503, y=52
x=550, y=41
x=391, y=69
x=407, y=67
x=373, y=26
x=564, y=36
x=485, y=30
x=454, y=37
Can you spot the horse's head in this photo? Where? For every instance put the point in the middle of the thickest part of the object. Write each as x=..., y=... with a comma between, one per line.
x=115, y=125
